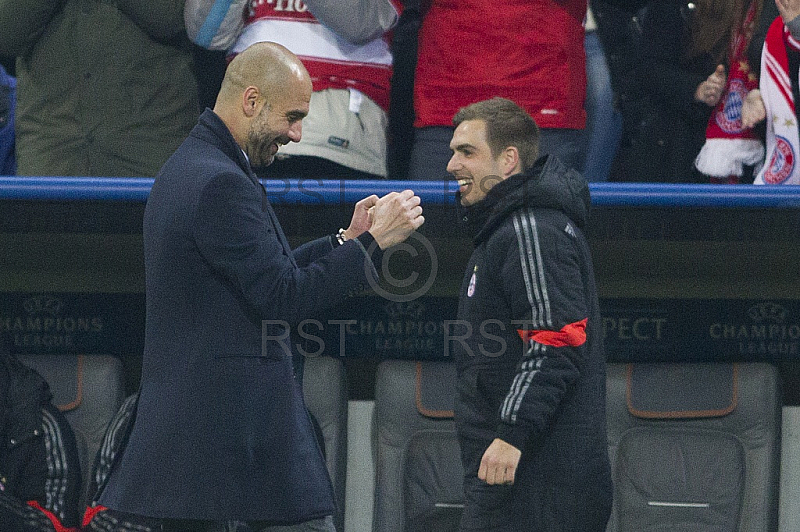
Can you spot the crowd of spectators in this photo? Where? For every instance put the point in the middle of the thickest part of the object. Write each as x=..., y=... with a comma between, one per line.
x=103, y=88
x=633, y=90
x=696, y=64
x=630, y=90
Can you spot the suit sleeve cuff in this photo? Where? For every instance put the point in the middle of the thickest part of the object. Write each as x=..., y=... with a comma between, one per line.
x=373, y=250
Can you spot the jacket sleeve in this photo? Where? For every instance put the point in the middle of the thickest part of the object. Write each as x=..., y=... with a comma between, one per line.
x=214, y=24
x=313, y=250
x=541, y=276
x=356, y=21
x=23, y=22
x=239, y=242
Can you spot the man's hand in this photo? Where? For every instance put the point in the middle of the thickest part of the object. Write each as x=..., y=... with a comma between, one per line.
x=788, y=9
x=753, y=110
x=394, y=217
x=499, y=463
x=710, y=91
x=362, y=219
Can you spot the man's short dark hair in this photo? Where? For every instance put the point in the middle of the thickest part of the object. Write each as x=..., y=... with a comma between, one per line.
x=507, y=124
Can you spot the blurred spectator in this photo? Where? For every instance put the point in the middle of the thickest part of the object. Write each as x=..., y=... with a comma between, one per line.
x=344, y=45
x=401, y=101
x=733, y=151
x=96, y=517
x=104, y=88
x=210, y=66
x=40, y=478
x=603, y=119
x=619, y=30
x=8, y=98
x=471, y=50
x=695, y=57
x=778, y=97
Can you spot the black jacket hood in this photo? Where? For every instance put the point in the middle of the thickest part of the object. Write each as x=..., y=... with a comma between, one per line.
x=549, y=185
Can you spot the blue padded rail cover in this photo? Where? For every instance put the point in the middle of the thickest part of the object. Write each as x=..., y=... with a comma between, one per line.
x=334, y=192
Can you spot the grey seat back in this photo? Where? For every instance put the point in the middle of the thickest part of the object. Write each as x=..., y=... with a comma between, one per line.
x=325, y=393
x=89, y=390
x=418, y=471
x=694, y=446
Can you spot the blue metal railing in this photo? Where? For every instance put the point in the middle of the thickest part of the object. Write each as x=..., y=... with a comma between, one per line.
x=331, y=192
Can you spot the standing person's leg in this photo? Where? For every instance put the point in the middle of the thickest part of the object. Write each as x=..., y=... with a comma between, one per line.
x=566, y=144
x=430, y=154
x=194, y=525
x=431, y=151
x=324, y=524
x=603, y=121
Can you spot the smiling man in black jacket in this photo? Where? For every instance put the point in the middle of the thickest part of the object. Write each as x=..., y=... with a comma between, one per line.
x=530, y=409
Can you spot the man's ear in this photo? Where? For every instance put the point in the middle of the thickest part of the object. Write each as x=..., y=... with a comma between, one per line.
x=510, y=161
x=250, y=98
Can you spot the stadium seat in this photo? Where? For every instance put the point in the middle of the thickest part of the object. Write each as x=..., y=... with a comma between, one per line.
x=694, y=446
x=419, y=476
x=89, y=390
x=325, y=392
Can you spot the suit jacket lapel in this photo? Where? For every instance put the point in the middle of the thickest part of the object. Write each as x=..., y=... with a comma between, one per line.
x=211, y=125
x=266, y=206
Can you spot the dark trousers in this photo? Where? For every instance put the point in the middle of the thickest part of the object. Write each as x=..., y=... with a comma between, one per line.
x=189, y=525
x=542, y=499
x=431, y=151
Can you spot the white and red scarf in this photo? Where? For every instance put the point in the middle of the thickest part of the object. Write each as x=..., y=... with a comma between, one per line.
x=728, y=146
x=781, y=166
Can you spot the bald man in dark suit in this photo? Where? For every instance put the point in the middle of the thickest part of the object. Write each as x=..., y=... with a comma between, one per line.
x=221, y=432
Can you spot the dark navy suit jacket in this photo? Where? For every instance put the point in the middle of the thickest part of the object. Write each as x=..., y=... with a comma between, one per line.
x=221, y=430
